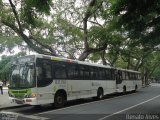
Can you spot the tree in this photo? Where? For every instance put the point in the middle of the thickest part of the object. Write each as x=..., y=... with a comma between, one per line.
x=24, y=17
x=5, y=66
x=47, y=32
x=140, y=18
x=156, y=74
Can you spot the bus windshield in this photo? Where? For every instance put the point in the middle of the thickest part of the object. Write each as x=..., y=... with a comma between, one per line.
x=23, y=76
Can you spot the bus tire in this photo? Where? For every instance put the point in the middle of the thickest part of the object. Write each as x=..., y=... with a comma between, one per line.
x=100, y=93
x=59, y=99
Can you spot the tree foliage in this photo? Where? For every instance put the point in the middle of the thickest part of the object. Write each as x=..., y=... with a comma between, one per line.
x=140, y=20
x=120, y=33
x=5, y=65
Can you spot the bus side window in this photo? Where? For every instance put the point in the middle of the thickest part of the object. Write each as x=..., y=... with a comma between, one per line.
x=47, y=70
x=123, y=75
x=113, y=74
x=86, y=72
x=81, y=73
x=60, y=71
x=39, y=73
x=102, y=74
x=108, y=74
x=119, y=77
x=44, y=72
x=94, y=73
x=73, y=72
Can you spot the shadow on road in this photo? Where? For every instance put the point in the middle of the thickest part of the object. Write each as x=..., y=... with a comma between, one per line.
x=29, y=110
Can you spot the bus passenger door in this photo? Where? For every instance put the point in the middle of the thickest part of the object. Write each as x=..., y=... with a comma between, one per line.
x=44, y=81
x=119, y=85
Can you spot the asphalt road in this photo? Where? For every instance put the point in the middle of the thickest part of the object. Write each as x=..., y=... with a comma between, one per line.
x=142, y=105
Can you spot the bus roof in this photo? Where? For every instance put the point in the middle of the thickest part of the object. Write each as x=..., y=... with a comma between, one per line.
x=75, y=61
x=128, y=70
x=71, y=60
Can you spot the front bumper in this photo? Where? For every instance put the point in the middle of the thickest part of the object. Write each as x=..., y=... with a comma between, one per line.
x=29, y=101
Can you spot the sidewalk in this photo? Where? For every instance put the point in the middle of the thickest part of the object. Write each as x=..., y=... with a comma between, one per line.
x=4, y=100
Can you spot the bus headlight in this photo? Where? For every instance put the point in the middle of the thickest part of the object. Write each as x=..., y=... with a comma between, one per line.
x=32, y=95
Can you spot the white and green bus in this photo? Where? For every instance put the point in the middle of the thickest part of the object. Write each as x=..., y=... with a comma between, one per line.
x=128, y=80
x=42, y=79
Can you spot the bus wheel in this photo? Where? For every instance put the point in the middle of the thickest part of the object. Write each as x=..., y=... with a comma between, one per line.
x=59, y=100
x=100, y=93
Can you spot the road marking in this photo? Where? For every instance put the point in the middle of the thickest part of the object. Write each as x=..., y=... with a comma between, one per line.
x=6, y=112
x=35, y=117
x=83, y=104
x=16, y=115
x=129, y=108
